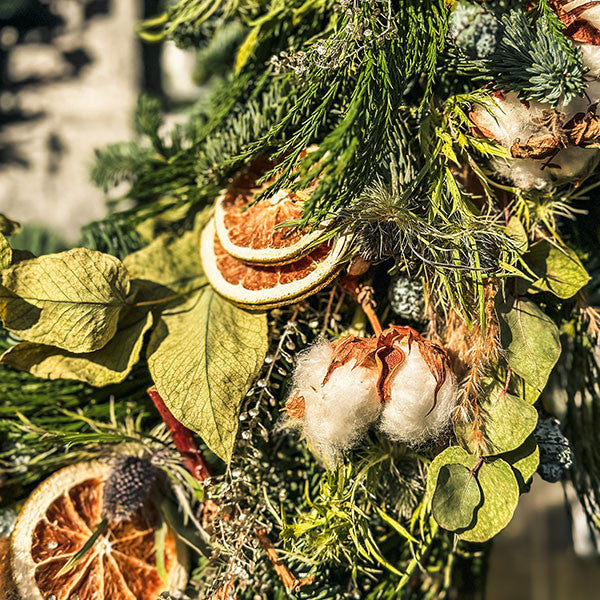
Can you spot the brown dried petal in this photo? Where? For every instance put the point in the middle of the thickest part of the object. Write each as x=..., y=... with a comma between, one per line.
x=577, y=27
x=295, y=406
x=350, y=348
x=538, y=146
x=583, y=129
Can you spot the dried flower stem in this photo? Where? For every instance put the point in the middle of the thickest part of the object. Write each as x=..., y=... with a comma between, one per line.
x=291, y=582
x=363, y=294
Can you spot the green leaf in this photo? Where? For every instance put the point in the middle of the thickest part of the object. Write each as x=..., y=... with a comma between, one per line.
x=559, y=269
x=516, y=232
x=110, y=364
x=524, y=460
x=509, y=421
x=456, y=497
x=203, y=355
x=246, y=49
x=169, y=265
x=71, y=300
x=451, y=455
x=5, y=253
x=531, y=341
x=500, y=497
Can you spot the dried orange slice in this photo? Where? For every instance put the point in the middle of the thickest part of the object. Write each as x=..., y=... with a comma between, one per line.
x=251, y=232
x=268, y=286
x=58, y=519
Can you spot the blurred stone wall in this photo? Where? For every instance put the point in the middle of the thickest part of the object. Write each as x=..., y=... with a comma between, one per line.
x=69, y=85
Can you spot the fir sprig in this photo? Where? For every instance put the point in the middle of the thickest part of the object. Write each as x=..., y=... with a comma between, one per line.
x=537, y=61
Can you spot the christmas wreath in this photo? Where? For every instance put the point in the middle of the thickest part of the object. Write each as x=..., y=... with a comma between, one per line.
x=346, y=315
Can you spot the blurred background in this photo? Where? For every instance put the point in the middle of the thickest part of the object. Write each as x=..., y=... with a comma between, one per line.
x=70, y=74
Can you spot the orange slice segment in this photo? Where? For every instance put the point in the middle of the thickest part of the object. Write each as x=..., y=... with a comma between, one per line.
x=56, y=522
x=251, y=232
x=268, y=286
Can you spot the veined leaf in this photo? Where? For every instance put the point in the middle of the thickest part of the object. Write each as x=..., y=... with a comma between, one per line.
x=5, y=253
x=8, y=226
x=111, y=364
x=531, y=340
x=559, y=269
x=203, y=355
x=169, y=265
x=456, y=497
x=71, y=300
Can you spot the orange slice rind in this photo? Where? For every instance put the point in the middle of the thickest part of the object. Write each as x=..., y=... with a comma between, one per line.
x=268, y=286
x=57, y=520
x=255, y=232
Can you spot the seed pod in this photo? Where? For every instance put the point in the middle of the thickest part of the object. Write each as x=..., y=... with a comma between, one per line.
x=556, y=456
x=128, y=487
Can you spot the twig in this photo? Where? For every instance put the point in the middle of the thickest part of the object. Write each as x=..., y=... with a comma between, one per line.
x=363, y=294
x=291, y=582
x=184, y=441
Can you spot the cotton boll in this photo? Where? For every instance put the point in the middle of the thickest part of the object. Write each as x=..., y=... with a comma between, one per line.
x=591, y=59
x=511, y=120
x=506, y=120
x=529, y=174
x=338, y=413
x=410, y=415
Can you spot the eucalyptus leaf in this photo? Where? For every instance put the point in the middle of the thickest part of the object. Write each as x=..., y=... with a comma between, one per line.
x=456, y=497
x=71, y=300
x=498, y=485
x=509, y=421
x=530, y=339
x=111, y=364
x=451, y=455
x=559, y=269
x=500, y=497
x=524, y=460
x=203, y=355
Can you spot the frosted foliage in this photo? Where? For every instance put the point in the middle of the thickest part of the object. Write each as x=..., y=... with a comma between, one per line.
x=338, y=413
x=511, y=120
x=407, y=417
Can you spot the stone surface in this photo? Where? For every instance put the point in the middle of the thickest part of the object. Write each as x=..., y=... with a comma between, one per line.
x=79, y=94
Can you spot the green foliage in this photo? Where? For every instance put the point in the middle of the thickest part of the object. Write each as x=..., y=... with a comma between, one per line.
x=530, y=339
x=499, y=491
x=538, y=61
x=360, y=513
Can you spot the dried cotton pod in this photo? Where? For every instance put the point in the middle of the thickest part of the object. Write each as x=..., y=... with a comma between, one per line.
x=333, y=413
x=343, y=387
